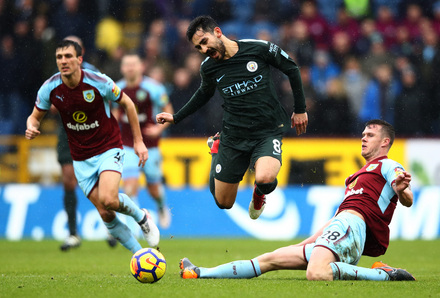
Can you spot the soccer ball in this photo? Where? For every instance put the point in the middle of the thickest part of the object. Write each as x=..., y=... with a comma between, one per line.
x=148, y=265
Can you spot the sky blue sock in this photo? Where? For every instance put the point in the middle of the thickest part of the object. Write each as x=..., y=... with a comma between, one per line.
x=123, y=234
x=128, y=207
x=344, y=271
x=236, y=269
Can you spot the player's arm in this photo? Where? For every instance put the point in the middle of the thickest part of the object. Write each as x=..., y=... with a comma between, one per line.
x=199, y=99
x=138, y=144
x=281, y=60
x=402, y=188
x=33, y=123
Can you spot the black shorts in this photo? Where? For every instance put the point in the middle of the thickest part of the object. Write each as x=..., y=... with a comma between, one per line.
x=63, y=150
x=236, y=155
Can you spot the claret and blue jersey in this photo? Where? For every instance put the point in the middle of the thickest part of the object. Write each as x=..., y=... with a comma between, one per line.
x=149, y=97
x=369, y=191
x=85, y=112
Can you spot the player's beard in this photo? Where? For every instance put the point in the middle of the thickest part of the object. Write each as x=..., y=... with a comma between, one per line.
x=220, y=49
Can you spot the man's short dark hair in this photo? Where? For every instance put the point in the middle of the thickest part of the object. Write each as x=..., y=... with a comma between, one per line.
x=204, y=23
x=387, y=129
x=65, y=43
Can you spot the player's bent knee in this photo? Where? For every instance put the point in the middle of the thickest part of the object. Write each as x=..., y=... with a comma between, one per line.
x=267, y=188
x=109, y=202
x=223, y=206
x=105, y=214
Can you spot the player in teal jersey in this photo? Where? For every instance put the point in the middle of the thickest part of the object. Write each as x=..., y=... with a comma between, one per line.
x=254, y=120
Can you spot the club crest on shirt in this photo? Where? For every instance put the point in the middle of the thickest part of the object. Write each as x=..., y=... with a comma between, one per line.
x=252, y=66
x=372, y=167
x=89, y=95
x=141, y=95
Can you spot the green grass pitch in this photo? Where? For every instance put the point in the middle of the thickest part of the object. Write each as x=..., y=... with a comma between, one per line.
x=40, y=269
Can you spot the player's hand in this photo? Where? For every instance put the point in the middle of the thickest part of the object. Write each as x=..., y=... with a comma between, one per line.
x=402, y=181
x=300, y=121
x=31, y=133
x=141, y=150
x=162, y=118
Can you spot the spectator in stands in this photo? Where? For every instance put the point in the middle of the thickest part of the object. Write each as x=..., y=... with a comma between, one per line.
x=329, y=9
x=297, y=41
x=184, y=88
x=425, y=57
x=10, y=97
x=341, y=48
x=386, y=25
x=363, y=45
x=30, y=55
x=411, y=107
x=402, y=45
x=395, y=6
x=378, y=54
x=265, y=17
x=413, y=16
x=380, y=95
x=69, y=20
x=322, y=71
x=334, y=111
x=181, y=46
x=317, y=26
x=355, y=82
x=347, y=24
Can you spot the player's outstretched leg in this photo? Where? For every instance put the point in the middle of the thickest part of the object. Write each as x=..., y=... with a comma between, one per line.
x=379, y=272
x=257, y=204
x=395, y=274
x=188, y=269
x=149, y=229
x=236, y=269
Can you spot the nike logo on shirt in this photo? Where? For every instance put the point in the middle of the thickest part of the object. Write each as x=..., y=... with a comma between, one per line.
x=220, y=78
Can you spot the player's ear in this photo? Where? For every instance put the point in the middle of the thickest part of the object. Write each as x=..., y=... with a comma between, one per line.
x=80, y=59
x=218, y=32
x=386, y=142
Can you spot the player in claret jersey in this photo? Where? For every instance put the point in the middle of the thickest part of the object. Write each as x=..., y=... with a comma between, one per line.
x=83, y=98
x=253, y=120
x=360, y=226
x=150, y=98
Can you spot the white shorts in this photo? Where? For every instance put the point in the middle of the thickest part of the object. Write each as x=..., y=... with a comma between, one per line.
x=87, y=171
x=345, y=237
x=152, y=168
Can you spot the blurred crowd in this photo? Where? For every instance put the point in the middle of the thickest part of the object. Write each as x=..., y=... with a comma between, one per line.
x=359, y=59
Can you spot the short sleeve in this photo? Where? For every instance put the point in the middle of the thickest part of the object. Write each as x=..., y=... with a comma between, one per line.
x=390, y=170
